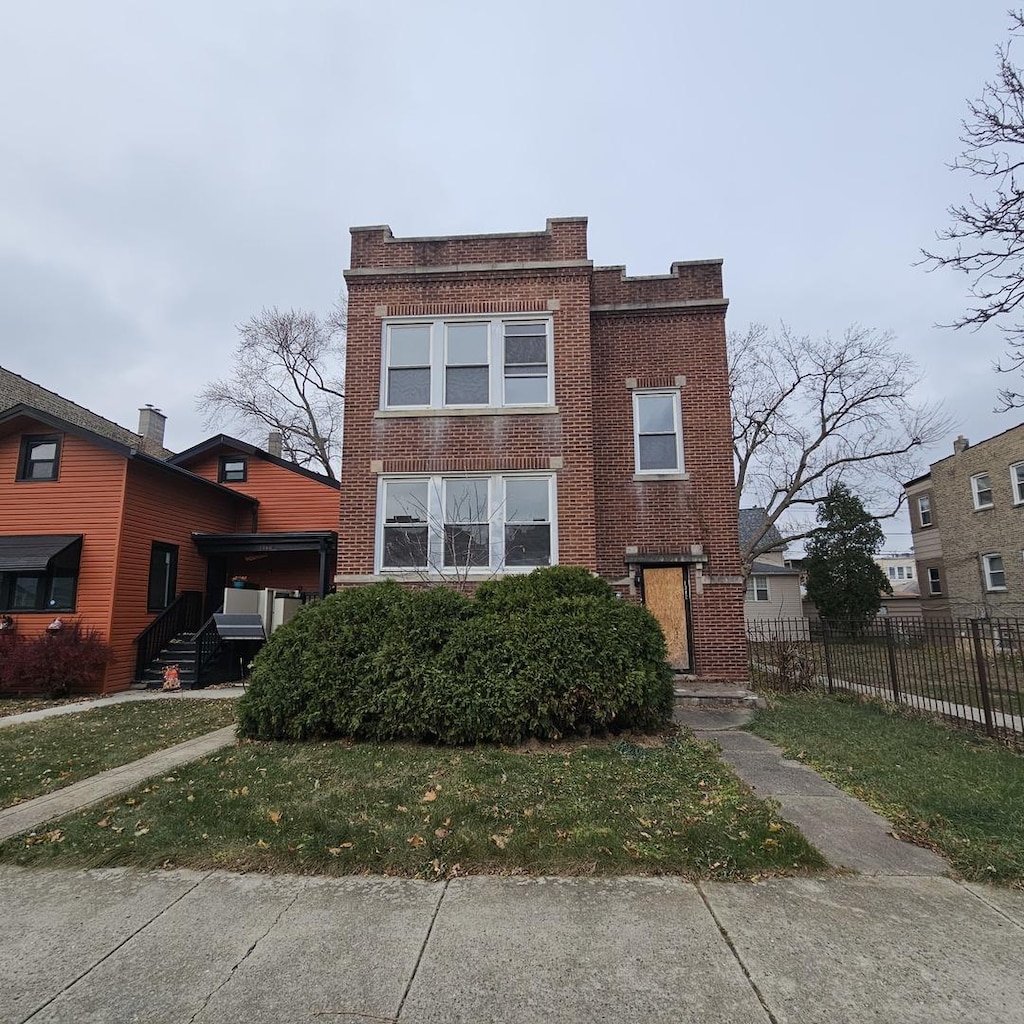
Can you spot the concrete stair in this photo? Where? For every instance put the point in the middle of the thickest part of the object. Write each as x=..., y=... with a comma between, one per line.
x=697, y=692
x=181, y=651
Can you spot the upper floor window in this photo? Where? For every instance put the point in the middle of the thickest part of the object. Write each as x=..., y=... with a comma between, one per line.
x=466, y=523
x=233, y=469
x=924, y=510
x=981, y=489
x=40, y=457
x=995, y=573
x=757, y=588
x=493, y=362
x=1017, y=483
x=657, y=432
x=934, y=581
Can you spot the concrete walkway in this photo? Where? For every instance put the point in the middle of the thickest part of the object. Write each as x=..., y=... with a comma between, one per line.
x=32, y=813
x=172, y=947
x=125, y=697
x=847, y=831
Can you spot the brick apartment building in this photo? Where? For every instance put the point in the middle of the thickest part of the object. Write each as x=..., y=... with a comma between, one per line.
x=511, y=405
x=967, y=521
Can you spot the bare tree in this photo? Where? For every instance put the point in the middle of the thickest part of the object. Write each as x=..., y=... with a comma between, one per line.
x=288, y=376
x=986, y=239
x=811, y=413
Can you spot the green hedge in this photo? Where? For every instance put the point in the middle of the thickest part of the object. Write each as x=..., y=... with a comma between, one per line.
x=542, y=655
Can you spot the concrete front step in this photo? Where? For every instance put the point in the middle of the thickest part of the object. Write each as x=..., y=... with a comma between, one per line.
x=698, y=692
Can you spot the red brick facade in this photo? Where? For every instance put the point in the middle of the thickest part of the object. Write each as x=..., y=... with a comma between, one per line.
x=612, y=335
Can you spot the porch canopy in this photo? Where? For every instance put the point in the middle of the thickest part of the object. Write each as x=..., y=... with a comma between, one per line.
x=34, y=553
x=323, y=542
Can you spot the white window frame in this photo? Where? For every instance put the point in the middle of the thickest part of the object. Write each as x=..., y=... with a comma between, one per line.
x=1017, y=482
x=677, y=422
x=892, y=572
x=976, y=491
x=436, y=513
x=934, y=581
x=754, y=589
x=924, y=508
x=986, y=565
x=495, y=360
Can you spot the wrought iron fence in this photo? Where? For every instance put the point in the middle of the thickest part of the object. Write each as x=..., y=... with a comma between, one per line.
x=970, y=671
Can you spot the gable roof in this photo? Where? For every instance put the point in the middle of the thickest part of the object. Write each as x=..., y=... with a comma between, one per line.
x=23, y=411
x=751, y=522
x=16, y=390
x=211, y=444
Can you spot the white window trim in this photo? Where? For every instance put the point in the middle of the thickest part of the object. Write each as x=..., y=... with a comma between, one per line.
x=934, y=582
x=924, y=507
x=495, y=356
x=1017, y=486
x=436, y=521
x=974, y=491
x=986, y=565
x=752, y=588
x=677, y=416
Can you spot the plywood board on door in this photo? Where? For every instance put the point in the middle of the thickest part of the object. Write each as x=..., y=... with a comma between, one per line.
x=665, y=598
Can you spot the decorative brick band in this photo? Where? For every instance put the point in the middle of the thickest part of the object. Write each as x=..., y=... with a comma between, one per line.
x=661, y=380
x=485, y=464
x=492, y=307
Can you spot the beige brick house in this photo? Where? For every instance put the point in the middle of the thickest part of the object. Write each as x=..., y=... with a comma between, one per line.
x=967, y=521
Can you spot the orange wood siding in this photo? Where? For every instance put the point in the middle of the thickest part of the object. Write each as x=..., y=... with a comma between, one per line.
x=288, y=500
x=165, y=507
x=281, y=570
x=85, y=499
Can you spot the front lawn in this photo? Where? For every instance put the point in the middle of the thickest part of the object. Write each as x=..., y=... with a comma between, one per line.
x=430, y=812
x=957, y=792
x=19, y=705
x=39, y=757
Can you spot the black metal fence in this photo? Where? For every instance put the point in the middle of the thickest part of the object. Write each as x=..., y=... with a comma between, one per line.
x=970, y=671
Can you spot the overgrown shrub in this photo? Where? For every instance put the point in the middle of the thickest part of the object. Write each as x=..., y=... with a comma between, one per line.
x=544, y=658
x=55, y=663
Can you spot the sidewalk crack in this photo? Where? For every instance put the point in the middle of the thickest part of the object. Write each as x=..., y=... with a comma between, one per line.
x=119, y=946
x=423, y=947
x=991, y=905
x=245, y=956
x=736, y=955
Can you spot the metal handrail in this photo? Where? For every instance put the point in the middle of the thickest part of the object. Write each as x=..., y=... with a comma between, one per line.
x=208, y=645
x=181, y=615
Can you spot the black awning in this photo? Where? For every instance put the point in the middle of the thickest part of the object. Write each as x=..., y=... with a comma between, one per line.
x=34, y=554
x=244, y=543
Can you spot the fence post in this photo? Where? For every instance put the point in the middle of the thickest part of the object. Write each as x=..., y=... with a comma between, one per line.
x=828, y=655
x=890, y=648
x=980, y=664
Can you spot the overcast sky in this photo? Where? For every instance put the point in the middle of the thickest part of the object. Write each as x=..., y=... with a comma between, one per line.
x=168, y=169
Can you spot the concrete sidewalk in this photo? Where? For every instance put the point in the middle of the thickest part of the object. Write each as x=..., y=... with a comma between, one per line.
x=125, y=697
x=32, y=813
x=122, y=946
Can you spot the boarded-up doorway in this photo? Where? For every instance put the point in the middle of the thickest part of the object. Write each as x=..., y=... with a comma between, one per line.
x=665, y=595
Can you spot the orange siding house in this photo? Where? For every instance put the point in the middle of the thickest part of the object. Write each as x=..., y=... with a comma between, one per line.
x=95, y=531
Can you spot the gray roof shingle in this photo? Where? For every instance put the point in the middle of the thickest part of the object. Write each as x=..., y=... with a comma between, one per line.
x=751, y=521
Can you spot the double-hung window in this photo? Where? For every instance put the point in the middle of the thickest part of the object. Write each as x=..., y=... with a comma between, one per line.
x=467, y=363
x=981, y=490
x=995, y=573
x=40, y=457
x=448, y=524
x=757, y=588
x=934, y=581
x=1017, y=483
x=924, y=510
x=657, y=432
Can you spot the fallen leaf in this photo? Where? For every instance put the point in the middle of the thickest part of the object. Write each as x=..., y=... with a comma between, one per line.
x=499, y=841
x=416, y=841
x=774, y=826
x=274, y=816
x=261, y=845
x=401, y=809
x=103, y=822
x=191, y=798
x=441, y=833
x=141, y=832
x=428, y=797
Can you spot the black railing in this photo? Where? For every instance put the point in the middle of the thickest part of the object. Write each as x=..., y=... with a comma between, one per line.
x=208, y=646
x=182, y=615
x=970, y=671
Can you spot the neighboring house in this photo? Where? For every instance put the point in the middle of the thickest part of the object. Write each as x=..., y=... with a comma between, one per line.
x=967, y=521
x=773, y=586
x=509, y=405
x=131, y=545
x=900, y=569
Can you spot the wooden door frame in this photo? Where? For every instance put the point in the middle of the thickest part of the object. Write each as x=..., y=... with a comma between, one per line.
x=687, y=611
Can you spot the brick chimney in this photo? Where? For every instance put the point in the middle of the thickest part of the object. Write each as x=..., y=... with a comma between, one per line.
x=151, y=425
x=274, y=443
x=961, y=444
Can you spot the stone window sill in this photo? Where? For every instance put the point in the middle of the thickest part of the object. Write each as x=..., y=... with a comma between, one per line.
x=526, y=410
x=658, y=477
